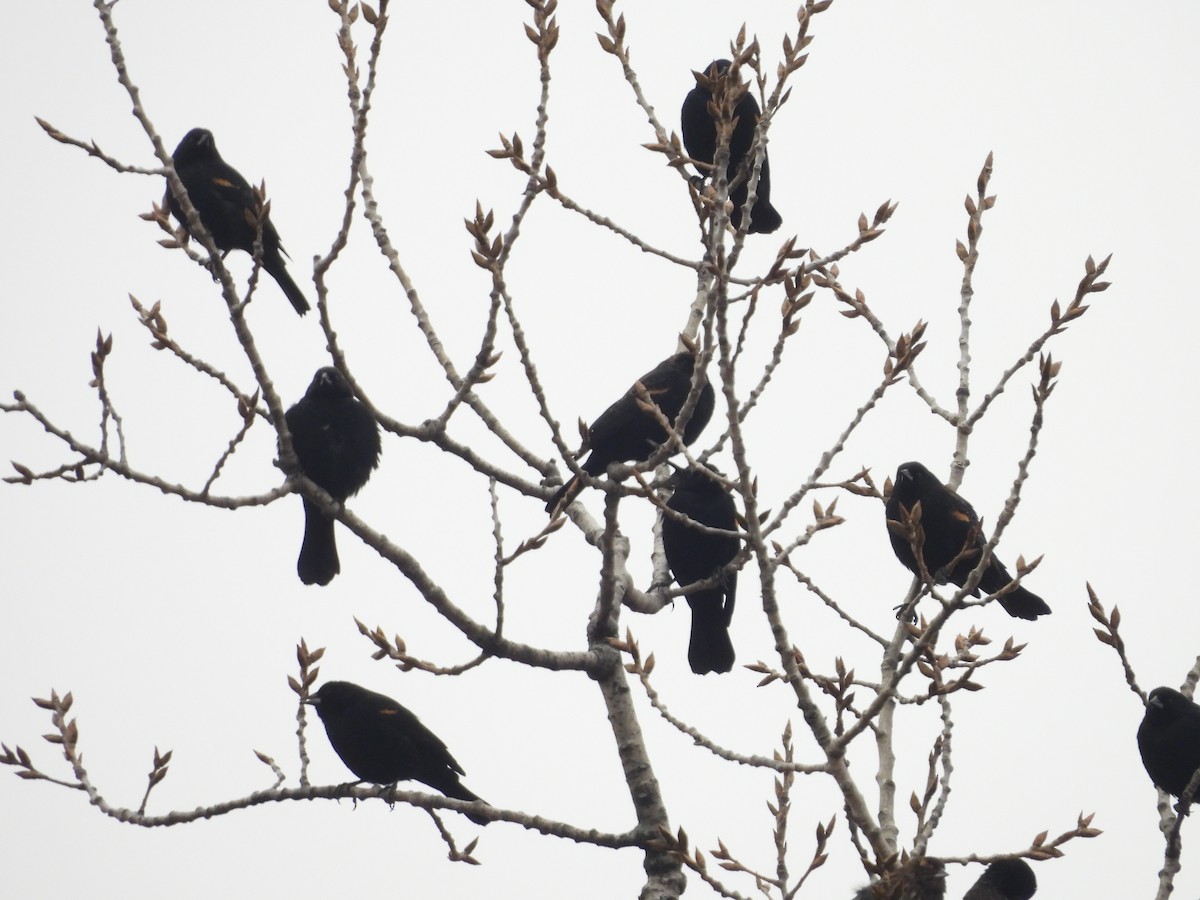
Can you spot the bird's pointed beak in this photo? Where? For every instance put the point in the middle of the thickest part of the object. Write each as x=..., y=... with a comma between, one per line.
x=672, y=480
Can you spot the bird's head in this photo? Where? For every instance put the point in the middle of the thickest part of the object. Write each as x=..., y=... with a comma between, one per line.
x=196, y=144
x=332, y=698
x=693, y=477
x=913, y=472
x=911, y=481
x=1167, y=702
x=328, y=382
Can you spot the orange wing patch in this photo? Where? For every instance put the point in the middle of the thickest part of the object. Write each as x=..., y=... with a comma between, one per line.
x=223, y=182
x=961, y=516
x=387, y=712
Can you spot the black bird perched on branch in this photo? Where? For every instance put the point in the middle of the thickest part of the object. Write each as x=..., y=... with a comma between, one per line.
x=625, y=432
x=336, y=440
x=382, y=742
x=1169, y=740
x=951, y=532
x=700, y=141
x=1005, y=879
x=695, y=555
x=228, y=208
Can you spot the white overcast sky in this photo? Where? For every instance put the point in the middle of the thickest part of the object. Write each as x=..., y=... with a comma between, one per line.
x=175, y=625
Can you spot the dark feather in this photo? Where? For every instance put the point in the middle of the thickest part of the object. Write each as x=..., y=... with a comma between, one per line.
x=700, y=141
x=382, y=742
x=1169, y=739
x=336, y=440
x=695, y=555
x=950, y=527
x=226, y=205
x=625, y=432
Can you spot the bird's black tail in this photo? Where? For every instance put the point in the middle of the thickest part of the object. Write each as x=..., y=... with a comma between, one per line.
x=458, y=791
x=318, y=561
x=764, y=218
x=709, y=649
x=1023, y=604
x=1020, y=604
x=277, y=270
x=563, y=496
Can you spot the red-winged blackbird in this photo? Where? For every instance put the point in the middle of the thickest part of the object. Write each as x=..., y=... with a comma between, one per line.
x=917, y=879
x=625, y=432
x=700, y=141
x=950, y=525
x=1005, y=879
x=695, y=555
x=1169, y=740
x=336, y=440
x=382, y=742
x=226, y=204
